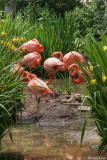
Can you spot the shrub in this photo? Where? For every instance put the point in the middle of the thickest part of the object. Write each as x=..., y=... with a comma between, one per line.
x=11, y=90
x=97, y=85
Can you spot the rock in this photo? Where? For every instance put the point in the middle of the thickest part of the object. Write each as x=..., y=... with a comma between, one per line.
x=56, y=95
x=71, y=99
x=76, y=102
x=64, y=101
x=83, y=108
x=68, y=96
x=78, y=94
x=77, y=97
x=58, y=100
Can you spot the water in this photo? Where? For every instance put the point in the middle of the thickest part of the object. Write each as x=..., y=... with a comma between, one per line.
x=33, y=143
x=63, y=84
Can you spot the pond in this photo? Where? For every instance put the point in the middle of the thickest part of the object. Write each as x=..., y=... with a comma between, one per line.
x=50, y=142
x=63, y=84
x=33, y=143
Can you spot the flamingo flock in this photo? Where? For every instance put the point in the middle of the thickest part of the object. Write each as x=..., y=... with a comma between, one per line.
x=51, y=65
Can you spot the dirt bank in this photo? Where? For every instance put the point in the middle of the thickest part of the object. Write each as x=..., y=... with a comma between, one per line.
x=58, y=112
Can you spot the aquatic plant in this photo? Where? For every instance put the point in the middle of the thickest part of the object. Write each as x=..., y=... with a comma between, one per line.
x=97, y=85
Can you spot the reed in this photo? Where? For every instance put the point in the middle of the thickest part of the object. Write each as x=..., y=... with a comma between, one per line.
x=97, y=85
x=11, y=89
x=55, y=34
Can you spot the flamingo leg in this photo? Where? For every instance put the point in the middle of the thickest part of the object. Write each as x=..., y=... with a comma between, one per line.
x=38, y=103
x=54, y=82
x=36, y=97
x=30, y=70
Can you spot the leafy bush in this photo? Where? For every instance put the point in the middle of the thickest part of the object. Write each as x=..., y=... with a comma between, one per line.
x=59, y=7
x=99, y=21
x=83, y=18
x=90, y=16
x=11, y=90
x=97, y=85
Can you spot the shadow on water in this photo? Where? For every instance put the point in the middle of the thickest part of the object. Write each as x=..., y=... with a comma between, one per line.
x=32, y=143
x=11, y=156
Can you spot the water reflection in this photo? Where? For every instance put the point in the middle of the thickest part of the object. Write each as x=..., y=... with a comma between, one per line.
x=31, y=144
x=61, y=85
x=11, y=156
x=74, y=151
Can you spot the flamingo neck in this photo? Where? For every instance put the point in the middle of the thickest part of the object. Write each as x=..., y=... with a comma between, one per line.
x=50, y=80
x=77, y=81
x=39, y=58
x=35, y=40
x=55, y=54
x=64, y=67
x=73, y=67
x=80, y=78
x=41, y=48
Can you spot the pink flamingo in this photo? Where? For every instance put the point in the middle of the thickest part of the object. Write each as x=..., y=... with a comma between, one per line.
x=31, y=46
x=26, y=76
x=71, y=57
x=52, y=65
x=16, y=70
x=32, y=60
x=74, y=70
x=37, y=86
x=55, y=54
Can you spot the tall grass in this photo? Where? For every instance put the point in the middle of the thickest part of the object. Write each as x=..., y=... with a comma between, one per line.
x=55, y=34
x=11, y=90
x=97, y=85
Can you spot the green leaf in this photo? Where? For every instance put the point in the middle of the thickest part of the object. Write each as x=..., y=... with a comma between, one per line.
x=83, y=131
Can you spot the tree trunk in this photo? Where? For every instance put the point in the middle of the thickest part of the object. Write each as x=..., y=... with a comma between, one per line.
x=11, y=5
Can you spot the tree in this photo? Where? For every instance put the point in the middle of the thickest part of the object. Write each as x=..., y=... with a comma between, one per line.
x=11, y=5
x=59, y=6
x=99, y=16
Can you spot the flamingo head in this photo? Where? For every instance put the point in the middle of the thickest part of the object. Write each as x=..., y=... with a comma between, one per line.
x=64, y=67
x=40, y=48
x=32, y=76
x=55, y=54
x=50, y=92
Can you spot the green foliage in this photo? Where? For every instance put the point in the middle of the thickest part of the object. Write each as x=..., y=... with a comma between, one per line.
x=51, y=33
x=97, y=84
x=83, y=18
x=11, y=90
x=59, y=7
x=99, y=21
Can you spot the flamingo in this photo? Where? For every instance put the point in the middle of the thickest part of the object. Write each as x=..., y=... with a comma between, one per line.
x=37, y=86
x=65, y=151
x=55, y=54
x=71, y=57
x=31, y=46
x=26, y=76
x=32, y=60
x=52, y=65
x=16, y=70
x=74, y=70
